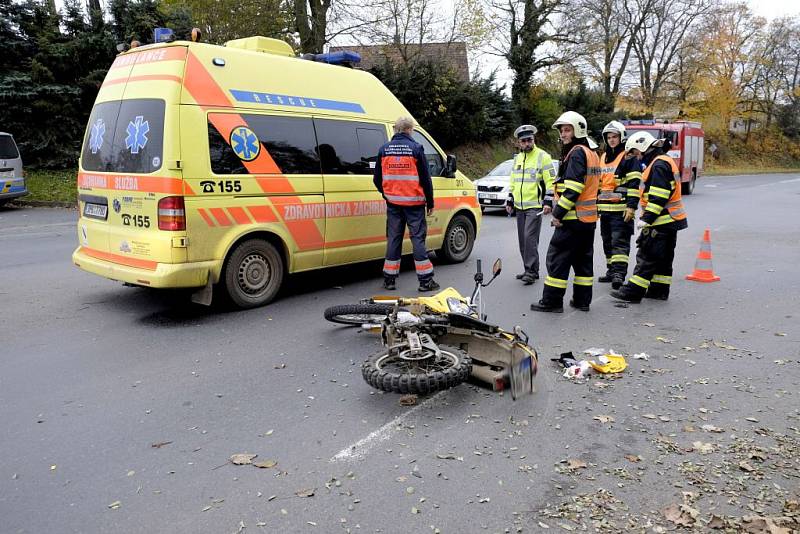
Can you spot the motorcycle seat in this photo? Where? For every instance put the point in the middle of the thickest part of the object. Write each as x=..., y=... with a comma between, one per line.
x=460, y=320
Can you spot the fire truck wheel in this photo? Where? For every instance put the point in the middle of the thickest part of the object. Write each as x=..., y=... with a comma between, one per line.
x=401, y=372
x=687, y=188
x=253, y=273
x=458, y=240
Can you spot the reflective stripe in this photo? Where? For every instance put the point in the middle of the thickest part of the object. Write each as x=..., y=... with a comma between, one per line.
x=639, y=281
x=610, y=208
x=566, y=203
x=570, y=216
x=560, y=187
x=632, y=192
x=653, y=208
x=402, y=178
x=633, y=176
x=525, y=180
x=423, y=267
x=608, y=261
x=575, y=186
x=662, y=279
x=555, y=282
x=404, y=199
x=658, y=192
x=619, y=258
x=585, y=281
x=526, y=205
x=664, y=219
x=391, y=267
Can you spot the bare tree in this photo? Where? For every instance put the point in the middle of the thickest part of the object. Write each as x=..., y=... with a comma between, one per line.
x=606, y=29
x=521, y=32
x=658, y=39
x=311, y=23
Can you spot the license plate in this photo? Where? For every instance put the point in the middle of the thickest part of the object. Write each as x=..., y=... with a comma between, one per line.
x=521, y=373
x=486, y=201
x=95, y=211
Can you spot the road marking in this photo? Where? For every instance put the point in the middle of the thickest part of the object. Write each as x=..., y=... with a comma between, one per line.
x=360, y=448
x=789, y=181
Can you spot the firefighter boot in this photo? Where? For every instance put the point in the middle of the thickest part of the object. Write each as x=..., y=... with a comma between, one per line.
x=608, y=277
x=389, y=283
x=617, y=281
x=626, y=294
x=543, y=306
x=657, y=293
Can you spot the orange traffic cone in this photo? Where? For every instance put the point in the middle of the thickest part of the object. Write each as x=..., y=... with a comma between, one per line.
x=703, y=270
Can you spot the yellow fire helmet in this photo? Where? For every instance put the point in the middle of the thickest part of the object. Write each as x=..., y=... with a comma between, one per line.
x=615, y=364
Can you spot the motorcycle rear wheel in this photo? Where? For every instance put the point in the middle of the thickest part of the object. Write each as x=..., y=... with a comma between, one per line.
x=358, y=314
x=393, y=373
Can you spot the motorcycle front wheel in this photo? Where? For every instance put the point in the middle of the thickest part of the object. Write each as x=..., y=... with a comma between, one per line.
x=398, y=372
x=358, y=314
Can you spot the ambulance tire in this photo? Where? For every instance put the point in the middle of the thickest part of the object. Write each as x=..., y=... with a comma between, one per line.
x=253, y=273
x=458, y=240
x=385, y=372
x=358, y=314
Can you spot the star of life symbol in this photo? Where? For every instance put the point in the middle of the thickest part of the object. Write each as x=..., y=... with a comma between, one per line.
x=245, y=143
x=96, y=135
x=137, y=134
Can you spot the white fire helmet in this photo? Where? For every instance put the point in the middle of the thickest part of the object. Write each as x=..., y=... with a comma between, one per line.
x=641, y=141
x=579, y=126
x=617, y=128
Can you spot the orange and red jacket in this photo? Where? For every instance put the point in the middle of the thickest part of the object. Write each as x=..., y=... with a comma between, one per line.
x=661, y=194
x=401, y=173
x=576, y=187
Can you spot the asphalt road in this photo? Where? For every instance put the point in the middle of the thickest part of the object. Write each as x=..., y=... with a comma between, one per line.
x=119, y=407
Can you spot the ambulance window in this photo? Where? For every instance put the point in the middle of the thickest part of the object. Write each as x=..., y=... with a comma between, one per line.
x=290, y=142
x=125, y=136
x=435, y=161
x=347, y=147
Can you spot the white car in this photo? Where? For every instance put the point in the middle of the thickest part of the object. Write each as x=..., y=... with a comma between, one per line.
x=494, y=188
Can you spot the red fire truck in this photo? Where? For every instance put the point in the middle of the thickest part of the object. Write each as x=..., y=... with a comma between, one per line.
x=686, y=138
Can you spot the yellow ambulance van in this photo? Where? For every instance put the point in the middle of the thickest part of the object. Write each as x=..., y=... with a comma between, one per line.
x=233, y=165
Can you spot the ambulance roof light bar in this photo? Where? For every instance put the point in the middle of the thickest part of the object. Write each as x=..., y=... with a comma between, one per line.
x=345, y=58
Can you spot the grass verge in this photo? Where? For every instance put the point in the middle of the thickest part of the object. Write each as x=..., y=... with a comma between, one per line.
x=723, y=170
x=51, y=186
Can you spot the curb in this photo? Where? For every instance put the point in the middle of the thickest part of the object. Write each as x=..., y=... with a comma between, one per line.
x=43, y=204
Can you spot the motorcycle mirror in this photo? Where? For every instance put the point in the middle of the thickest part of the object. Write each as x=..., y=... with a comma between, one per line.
x=497, y=267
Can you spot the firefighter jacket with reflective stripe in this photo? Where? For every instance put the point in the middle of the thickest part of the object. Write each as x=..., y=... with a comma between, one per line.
x=661, y=194
x=612, y=195
x=401, y=173
x=629, y=174
x=532, y=177
x=576, y=188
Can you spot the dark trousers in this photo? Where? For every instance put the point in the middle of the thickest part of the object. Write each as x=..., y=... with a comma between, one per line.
x=616, y=235
x=572, y=246
x=653, y=271
x=397, y=218
x=529, y=226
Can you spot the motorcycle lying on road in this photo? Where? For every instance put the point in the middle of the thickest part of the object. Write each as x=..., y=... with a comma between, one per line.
x=437, y=342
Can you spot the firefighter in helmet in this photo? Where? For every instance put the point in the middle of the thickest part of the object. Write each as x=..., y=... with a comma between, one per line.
x=574, y=218
x=616, y=202
x=663, y=217
x=532, y=178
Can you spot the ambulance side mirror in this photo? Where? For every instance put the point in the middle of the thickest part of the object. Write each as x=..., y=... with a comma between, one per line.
x=450, y=166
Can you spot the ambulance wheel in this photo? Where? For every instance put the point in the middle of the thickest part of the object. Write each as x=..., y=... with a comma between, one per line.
x=253, y=273
x=458, y=240
x=400, y=372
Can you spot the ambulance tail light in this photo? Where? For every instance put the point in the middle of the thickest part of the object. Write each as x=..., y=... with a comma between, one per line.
x=171, y=214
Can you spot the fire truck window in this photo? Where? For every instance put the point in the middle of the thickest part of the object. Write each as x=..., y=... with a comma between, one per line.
x=347, y=147
x=672, y=137
x=289, y=141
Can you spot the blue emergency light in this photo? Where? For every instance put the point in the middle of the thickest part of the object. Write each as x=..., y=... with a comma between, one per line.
x=163, y=35
x=345, y=57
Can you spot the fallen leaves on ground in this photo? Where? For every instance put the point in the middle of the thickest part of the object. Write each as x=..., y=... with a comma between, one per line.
x=703, y=448
x=266, y=464
x=408, y=400
x=604, y=418
x=681, y=514
x=305, y=492
x=242, y=459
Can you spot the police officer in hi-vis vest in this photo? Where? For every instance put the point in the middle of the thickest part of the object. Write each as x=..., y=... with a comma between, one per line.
x=663, y=217
x=617, y=201
x=532, y=177
x=574, y=216
x=403, y=178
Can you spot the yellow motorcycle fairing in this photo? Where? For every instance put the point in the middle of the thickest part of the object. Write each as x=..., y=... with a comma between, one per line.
x=436, y=303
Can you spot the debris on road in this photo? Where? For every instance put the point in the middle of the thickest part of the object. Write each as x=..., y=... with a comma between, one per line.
x=242, y=459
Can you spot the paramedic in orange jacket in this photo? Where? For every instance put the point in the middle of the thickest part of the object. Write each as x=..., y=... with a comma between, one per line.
x=403, y=178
